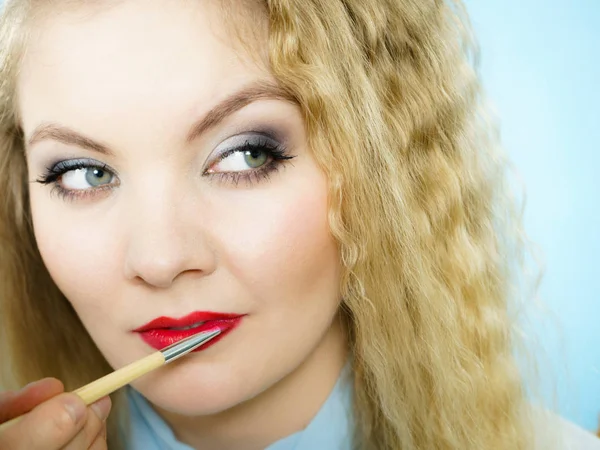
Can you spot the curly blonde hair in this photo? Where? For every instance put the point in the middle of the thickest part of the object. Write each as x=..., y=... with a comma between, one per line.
x=419, y=205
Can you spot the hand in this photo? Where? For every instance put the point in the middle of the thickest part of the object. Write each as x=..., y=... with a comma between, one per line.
x=51, y=419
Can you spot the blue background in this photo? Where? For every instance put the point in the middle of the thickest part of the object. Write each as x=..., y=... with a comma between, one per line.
x=541, y=69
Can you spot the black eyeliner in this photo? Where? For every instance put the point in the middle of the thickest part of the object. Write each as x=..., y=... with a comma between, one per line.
x=54, y=171
x=250, y=141
x=258, y=141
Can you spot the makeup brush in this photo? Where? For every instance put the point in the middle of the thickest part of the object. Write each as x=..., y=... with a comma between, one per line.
x=125, y=375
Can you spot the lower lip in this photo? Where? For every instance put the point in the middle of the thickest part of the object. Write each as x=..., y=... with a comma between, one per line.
x=160, y=338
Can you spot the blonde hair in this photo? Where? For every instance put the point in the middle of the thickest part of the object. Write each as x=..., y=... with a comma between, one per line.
x=418, y=203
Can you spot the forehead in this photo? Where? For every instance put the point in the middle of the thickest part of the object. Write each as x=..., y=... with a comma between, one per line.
x=136, y=56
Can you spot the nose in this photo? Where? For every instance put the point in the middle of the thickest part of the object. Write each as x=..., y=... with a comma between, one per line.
x=166, y=240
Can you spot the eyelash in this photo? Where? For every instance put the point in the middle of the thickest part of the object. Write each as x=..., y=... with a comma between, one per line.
x=277, y=154
x=54, y=172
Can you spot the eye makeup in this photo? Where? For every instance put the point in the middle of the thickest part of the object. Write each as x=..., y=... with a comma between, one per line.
x=248, y=158
x=55, y=174
x=251, y=147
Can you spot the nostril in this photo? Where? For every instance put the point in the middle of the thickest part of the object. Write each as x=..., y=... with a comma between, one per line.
x=161, y=276
x=159, y=262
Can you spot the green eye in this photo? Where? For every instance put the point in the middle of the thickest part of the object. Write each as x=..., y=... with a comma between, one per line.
x=255, y=158
x=97, y=177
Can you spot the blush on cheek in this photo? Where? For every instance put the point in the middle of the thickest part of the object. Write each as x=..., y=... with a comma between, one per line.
x=80, y=257
x=281, y=242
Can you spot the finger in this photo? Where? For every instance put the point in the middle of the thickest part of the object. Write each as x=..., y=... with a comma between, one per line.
x=13, y=404
x=96, y=417
x=49, y=426
x=100, y=441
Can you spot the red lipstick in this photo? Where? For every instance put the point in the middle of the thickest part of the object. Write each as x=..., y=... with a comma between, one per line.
x=164, y=331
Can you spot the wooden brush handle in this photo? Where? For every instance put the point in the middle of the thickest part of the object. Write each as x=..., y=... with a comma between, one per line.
x=119, y=378
x=111, y=382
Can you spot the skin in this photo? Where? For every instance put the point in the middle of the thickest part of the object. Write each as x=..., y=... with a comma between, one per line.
x=170, y=235
x=50, y=419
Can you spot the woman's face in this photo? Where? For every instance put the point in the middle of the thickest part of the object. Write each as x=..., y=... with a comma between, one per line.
x=174, y=177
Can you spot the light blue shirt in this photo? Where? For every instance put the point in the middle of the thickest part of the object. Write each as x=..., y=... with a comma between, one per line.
x=330, y=429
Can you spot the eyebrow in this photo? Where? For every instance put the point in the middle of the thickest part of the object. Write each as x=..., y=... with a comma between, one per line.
x=251, y=93
x=256, y=91
x=52, y=131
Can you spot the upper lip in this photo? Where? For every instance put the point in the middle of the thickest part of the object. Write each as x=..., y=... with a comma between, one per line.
x=186, y=321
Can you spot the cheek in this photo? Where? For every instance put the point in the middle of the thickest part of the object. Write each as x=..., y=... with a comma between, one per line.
x=78, y=249
x=280, y=247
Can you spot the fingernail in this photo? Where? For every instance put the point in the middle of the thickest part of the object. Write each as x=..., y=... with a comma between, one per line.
x=102, y=407
x=76, y=408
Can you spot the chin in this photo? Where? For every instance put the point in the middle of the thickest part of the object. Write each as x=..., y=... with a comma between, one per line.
x=192, y=405
x=199, y=392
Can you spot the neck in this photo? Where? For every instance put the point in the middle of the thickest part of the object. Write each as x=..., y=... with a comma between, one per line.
x=282, y=410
